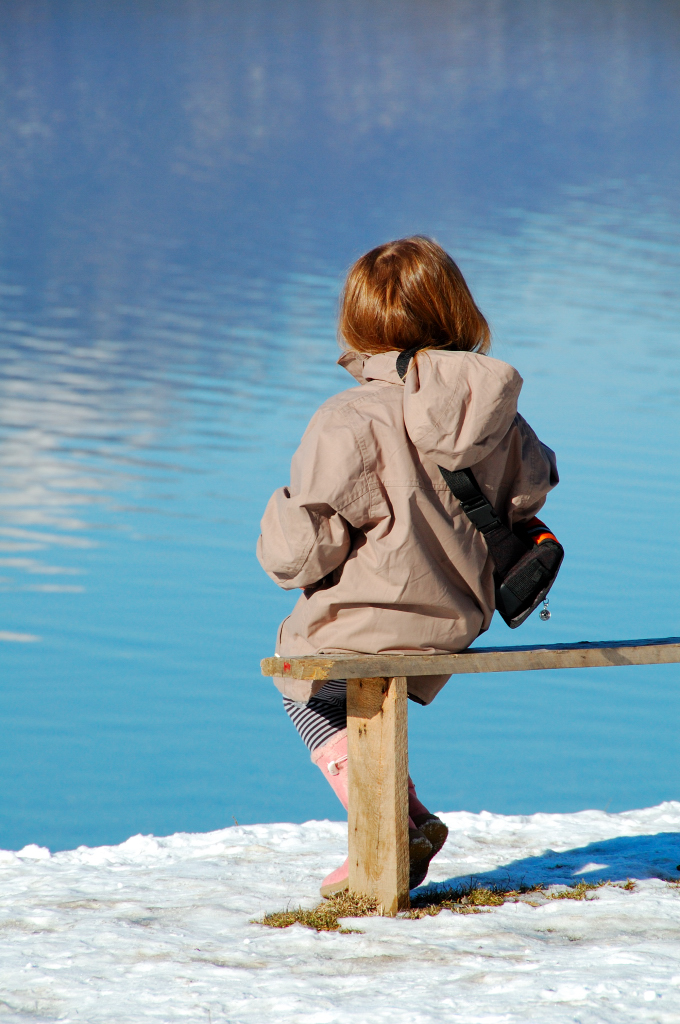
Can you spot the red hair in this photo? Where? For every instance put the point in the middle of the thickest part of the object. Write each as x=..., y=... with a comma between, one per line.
x=410, y=292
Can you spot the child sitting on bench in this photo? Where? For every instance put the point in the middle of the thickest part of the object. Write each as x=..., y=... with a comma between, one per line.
x=368, y=529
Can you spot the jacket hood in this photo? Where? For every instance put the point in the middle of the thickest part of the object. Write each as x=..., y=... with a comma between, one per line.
x=458, y=406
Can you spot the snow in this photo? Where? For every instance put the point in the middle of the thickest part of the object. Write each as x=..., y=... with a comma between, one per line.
x=161, y=929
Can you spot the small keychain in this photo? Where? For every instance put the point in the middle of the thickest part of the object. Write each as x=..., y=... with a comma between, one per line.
x=544, y=613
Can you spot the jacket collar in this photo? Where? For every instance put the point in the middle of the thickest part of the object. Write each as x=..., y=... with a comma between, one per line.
x=363, y=368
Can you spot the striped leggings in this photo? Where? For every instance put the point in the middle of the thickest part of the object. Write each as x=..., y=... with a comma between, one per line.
x=320, y=718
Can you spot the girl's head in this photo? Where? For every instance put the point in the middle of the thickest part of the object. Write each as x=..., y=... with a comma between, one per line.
x=406, y=293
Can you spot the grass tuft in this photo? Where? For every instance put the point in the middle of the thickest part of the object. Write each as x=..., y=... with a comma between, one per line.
x=578, y=892
x=472, y=898
x=466, y=899
x=325, y=916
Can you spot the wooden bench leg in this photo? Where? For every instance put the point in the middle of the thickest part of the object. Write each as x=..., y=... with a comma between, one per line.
x=377, y=728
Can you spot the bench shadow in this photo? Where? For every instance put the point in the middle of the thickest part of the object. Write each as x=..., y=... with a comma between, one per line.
x=608, y=860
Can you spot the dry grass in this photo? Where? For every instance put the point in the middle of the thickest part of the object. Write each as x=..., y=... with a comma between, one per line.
x=324, y=917
x=578, y=892
x=468, y=899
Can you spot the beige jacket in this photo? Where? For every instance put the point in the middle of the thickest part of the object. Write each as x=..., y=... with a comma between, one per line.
x=387, y=559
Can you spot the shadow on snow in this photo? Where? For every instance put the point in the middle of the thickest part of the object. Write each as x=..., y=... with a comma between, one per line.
x=613, y=860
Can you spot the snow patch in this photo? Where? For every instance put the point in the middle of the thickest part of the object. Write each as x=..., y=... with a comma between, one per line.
x=160, y=928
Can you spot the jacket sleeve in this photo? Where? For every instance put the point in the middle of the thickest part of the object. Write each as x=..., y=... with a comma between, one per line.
x=536, y=474
x=305, y=527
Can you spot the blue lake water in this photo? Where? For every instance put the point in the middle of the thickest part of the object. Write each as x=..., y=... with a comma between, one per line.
x=183, y=185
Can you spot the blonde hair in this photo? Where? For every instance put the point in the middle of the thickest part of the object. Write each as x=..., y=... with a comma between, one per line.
x=406, y=293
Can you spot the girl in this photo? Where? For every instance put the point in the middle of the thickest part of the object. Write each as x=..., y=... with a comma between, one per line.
x=368, y=529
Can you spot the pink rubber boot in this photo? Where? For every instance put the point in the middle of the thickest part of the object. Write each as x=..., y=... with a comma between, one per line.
x=331, y=759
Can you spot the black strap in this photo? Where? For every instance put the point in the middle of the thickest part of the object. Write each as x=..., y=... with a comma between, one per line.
x=504, y=547
x=404, y=358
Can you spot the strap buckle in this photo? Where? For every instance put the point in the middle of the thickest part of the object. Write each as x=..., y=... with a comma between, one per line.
x=481, y=513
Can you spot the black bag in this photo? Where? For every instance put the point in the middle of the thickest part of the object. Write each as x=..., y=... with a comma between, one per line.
x=526, y=558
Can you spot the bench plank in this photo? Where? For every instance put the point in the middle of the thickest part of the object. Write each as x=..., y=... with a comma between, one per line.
x=477, y=659
x=377, y=745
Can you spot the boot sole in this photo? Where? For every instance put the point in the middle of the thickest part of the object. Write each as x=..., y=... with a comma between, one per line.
x=329, y=890
x=437, y=832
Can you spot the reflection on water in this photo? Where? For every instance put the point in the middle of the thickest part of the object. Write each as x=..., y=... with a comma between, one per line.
x=183, y=186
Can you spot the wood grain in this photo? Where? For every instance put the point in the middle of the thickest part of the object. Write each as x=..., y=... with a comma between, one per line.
x=478, y=659
x=377, y=733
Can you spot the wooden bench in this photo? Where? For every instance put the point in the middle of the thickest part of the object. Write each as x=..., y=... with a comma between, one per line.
x=377, y=727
